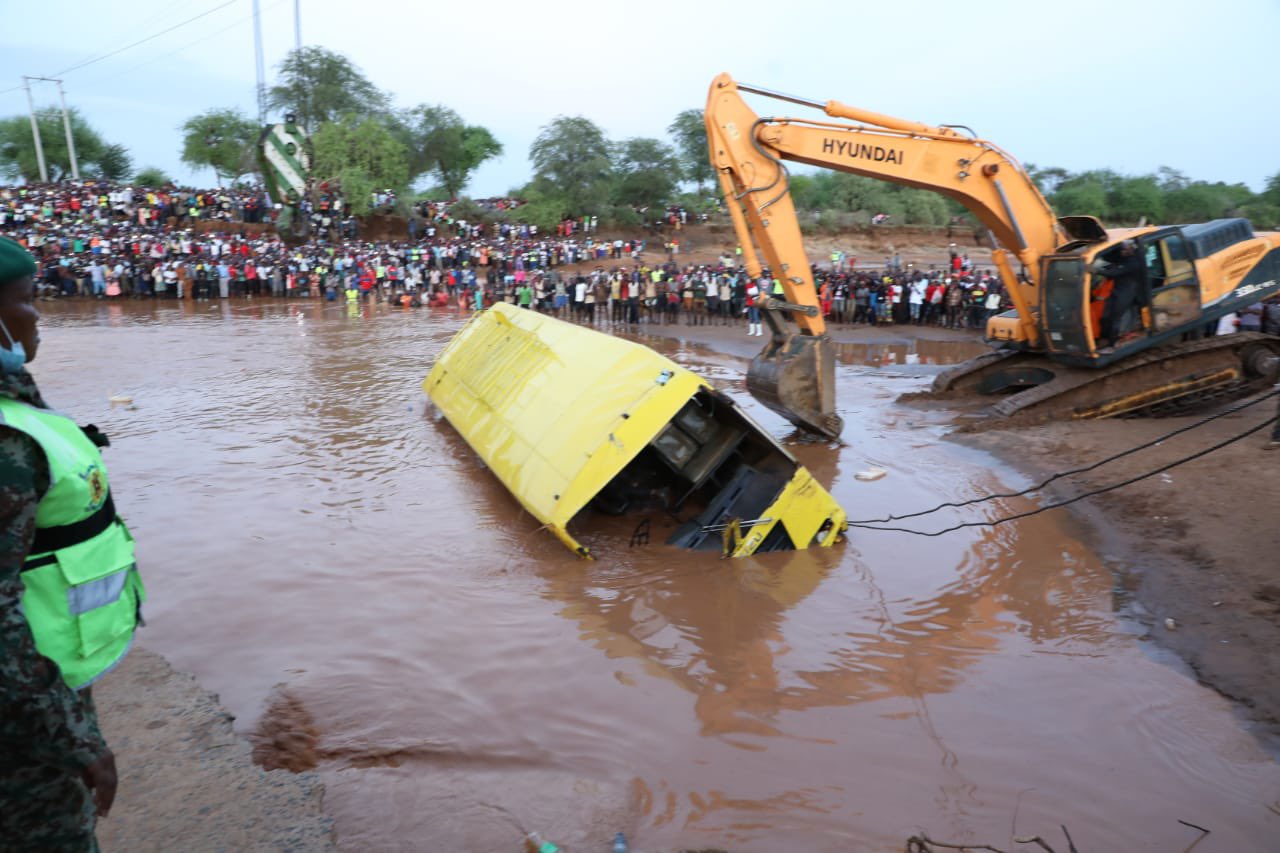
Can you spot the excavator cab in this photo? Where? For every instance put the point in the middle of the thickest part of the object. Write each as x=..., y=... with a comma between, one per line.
x=1065, y=300
x=1080, y=311
x=1089, y=318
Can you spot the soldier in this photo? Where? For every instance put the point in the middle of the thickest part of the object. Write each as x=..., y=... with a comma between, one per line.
x=56, y=773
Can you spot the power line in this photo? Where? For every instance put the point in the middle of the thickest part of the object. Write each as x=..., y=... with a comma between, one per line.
x=152, y=37
x=204, y=38
x=142, y=41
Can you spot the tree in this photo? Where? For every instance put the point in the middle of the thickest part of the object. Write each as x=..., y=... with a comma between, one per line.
x=319, y=85
x=647, y=172
x=690, y=133
x=114, y=164
x=363, y=156
x=221, y=140
x=1135, y=198
x=18, y=150
x=1199, y=202
x=152, y=177
x=1171, y=179
x=1047, y=179
x=571, y=161
x=925, y=208
x=1083, y=194
x=542, y=206
x=442, y=145
x=804, y=192
x=1271, y=193
x=841, y=200
x=1264, y=210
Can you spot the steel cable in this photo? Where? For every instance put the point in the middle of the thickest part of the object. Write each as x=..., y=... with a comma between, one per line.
x=1074, y=471
x=1080, y=497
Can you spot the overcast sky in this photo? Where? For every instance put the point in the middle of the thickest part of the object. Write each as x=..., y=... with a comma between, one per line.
x=1126, y=84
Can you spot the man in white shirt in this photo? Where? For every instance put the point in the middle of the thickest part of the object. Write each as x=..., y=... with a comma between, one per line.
x=916, y=299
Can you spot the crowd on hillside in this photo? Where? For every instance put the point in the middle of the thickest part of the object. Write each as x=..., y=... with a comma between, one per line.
x=723, y=294
x=111, y=241
x=98, y=239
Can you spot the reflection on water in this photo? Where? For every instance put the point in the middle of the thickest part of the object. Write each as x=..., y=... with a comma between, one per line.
x=913, y=351
x=305, y=522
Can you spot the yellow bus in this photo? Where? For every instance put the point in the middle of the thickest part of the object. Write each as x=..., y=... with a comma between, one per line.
x=577, y=423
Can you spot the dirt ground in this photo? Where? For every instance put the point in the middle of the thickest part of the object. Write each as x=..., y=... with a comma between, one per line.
x=868, y=247
x=186, y=777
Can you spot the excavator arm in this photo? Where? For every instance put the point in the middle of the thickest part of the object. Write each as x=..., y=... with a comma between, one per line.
x=795, y=373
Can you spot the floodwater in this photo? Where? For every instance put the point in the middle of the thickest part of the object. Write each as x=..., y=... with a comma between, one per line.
x=308, y=529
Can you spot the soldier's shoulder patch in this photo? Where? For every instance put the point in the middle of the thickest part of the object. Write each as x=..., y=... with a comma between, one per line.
x=96, y=479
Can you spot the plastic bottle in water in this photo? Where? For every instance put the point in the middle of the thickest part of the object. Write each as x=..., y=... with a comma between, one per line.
x=620, y=843
x=534, y=844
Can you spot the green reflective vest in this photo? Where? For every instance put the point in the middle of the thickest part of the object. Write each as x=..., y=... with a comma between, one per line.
x=82, y=593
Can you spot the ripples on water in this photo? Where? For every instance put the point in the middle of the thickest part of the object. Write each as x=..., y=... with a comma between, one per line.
x=306, y=523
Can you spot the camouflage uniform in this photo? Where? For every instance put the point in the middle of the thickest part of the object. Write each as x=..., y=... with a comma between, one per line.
x=48, y=732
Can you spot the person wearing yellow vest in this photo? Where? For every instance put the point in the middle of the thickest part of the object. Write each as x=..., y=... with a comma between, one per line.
x=70, y=596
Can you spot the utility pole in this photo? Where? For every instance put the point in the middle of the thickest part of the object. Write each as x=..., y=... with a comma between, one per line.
x=262, y=67
x=297, y=24
x=35, y=131
x=66, y=126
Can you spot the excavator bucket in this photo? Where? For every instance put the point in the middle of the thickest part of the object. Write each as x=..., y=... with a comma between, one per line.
x=795, y=376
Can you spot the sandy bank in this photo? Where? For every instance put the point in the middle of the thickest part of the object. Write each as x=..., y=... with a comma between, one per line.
x=187, y=781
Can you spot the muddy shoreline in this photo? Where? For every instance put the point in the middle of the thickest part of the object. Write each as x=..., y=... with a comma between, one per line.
x=186, y=776
x=1193, y=550
x=1196, y=545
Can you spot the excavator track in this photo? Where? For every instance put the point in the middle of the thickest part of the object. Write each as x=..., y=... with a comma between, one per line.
x=1164, y=381
x=961, y=377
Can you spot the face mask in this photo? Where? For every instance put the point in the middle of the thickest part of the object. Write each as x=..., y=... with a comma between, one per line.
x=12, y=360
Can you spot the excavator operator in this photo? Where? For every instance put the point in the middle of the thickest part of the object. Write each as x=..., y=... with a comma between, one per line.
x=1128, y=274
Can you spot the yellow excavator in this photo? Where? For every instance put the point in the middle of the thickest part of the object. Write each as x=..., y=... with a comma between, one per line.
x=1065, y=350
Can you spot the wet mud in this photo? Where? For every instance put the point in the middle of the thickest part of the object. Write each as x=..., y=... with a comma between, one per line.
x=286, y=736
x=308, y=529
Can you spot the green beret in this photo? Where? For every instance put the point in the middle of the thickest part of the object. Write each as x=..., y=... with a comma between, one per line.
x=15, y=261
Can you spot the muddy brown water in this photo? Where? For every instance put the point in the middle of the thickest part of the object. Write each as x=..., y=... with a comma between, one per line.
x=308, y=529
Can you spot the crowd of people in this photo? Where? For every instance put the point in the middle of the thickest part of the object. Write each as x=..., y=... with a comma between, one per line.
x=723, y=294
x=98, y=239
x=110, y=241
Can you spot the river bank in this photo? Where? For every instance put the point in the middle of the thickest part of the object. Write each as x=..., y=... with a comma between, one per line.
x=187, y=780
x=1193, y=549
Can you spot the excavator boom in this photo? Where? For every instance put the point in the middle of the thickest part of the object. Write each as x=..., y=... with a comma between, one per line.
x=1187, y=276
x=795, y=373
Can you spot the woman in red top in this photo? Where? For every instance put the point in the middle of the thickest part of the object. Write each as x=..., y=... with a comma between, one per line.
x=251, y=279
